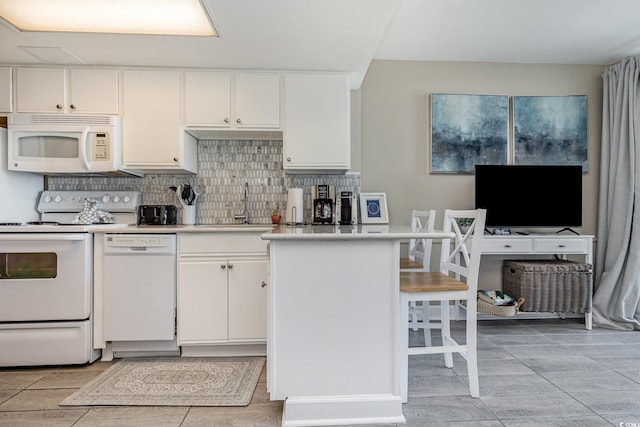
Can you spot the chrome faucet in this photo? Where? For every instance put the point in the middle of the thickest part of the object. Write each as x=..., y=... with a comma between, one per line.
x=245, y=216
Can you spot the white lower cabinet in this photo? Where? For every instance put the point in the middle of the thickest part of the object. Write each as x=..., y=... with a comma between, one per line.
x=222, y=294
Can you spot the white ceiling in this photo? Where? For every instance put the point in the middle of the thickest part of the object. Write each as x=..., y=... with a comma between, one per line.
x=345, y=35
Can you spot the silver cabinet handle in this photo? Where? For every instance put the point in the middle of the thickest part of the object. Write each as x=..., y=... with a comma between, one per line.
x=223, y=266
x=288, y=159
x=226, y=120
x=263, y=284
x=73, y=107
x=59, y=107
x=230, y=266
x=238, y=121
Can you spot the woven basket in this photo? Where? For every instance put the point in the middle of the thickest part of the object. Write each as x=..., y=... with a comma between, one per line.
x=499, y=310
x=549, y=285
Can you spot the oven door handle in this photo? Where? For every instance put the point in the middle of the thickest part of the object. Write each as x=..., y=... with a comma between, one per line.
x=27, y=237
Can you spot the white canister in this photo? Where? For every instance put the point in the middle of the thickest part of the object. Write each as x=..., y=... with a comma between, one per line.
x=189, y=215
x=295, y=212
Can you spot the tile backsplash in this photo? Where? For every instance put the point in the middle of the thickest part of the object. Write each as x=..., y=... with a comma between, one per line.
x=224, y=166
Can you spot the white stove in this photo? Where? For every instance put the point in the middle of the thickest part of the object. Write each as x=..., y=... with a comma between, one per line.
x=46, y=279
x=58, y=210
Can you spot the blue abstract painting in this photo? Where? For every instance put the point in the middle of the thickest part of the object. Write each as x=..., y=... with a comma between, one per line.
x=467, y=130
x=550, y=130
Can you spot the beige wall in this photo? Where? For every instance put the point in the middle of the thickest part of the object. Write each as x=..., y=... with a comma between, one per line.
x=395, y=127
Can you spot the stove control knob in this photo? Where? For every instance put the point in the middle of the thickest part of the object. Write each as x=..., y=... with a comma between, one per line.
x=47, y=199
x=116, y=199
x=105, y=198
x=57, y=199
x=126, y=199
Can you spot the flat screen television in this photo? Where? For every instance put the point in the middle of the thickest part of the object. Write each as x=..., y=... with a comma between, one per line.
x=522, y=196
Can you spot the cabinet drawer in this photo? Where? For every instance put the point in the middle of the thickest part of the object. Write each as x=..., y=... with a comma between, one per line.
x=505, y=246
x=559, y=246
x=222, y=243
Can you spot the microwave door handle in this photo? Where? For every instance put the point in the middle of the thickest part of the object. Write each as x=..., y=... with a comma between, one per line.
x=83, y=148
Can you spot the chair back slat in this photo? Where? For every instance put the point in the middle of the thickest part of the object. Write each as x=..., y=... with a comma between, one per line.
x=420, y=249
x=460, y=256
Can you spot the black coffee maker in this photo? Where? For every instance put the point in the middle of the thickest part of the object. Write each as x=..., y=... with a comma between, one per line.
x=348, y=208
x=323, y=197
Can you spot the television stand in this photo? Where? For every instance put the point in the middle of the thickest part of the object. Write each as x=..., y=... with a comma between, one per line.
x=561, y=246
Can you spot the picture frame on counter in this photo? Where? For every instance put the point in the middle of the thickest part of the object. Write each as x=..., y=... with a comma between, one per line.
x=373, y=207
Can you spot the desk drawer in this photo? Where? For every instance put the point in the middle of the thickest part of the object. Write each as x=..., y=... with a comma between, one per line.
x=561, y=246
x=505, y=246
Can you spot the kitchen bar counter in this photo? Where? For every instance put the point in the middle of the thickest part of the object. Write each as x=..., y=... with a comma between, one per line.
x=334, y=323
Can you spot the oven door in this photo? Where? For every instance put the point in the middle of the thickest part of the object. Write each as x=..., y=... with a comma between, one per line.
x=45, y=276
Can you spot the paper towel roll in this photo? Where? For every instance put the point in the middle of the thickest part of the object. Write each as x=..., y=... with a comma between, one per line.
x=295, y=210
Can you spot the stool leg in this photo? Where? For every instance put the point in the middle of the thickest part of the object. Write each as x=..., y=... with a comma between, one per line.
x=445, y=316
x=426, y=323
x=472, y=349
x=413, y=316
x=403, y=338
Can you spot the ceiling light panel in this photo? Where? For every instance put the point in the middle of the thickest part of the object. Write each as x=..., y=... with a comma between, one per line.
x=166, y=17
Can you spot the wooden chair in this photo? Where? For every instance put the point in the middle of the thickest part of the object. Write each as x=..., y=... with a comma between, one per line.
x=419, y=258
x=456, y=281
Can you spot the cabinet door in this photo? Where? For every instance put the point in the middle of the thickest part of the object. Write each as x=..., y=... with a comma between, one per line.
x=5, y=90
x=247, y=300
x=40, y=90
x=257, y=101
x=202, y=302
x=93, y=91
x=316, y=122
x=151, y=119
x=208, y=99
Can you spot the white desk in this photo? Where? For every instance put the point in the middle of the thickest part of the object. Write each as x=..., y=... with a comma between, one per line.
x=541, y=244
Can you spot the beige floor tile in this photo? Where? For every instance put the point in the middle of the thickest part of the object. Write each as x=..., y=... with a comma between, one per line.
x=7, y=394
x=17, y=380
x=65, y=379
x=36, y=400
x=254, y=415
x=57, y=418
x=132, y=416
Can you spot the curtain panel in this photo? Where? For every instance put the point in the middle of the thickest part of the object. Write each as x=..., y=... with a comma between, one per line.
x=616, y=301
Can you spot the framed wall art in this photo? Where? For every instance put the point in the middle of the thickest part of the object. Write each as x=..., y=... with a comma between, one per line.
x=373, y=207
x=550, y=130
x=467, y=130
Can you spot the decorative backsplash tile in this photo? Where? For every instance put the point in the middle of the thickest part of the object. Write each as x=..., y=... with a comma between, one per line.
x=224, y=166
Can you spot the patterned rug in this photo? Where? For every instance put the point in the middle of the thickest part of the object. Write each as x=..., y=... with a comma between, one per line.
x=222, y=381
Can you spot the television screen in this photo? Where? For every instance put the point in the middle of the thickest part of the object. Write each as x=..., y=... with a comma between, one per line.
x=529, y=196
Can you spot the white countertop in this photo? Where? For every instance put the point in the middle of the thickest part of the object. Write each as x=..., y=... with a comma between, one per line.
x=348, y=232
x=199, y=228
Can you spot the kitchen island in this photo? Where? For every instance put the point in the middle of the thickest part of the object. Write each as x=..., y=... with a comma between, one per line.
x=332, y=342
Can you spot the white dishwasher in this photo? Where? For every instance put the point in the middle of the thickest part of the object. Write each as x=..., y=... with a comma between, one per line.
x=139, y=287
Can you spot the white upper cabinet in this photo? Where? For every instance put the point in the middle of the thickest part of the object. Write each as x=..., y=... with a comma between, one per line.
x=316, y=122
x=58, y=90
x=257, y=100
x=232, y=100
x=5, y=90
x=153, y=138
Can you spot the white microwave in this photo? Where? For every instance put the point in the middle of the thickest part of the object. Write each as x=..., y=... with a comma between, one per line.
x=65, y=144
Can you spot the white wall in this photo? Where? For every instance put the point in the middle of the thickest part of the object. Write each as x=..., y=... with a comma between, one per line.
x=395, y=130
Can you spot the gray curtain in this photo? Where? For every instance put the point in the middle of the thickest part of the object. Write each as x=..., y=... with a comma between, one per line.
x=616, y=301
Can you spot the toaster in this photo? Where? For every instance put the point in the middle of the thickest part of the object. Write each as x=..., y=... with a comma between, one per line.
x=157, y=215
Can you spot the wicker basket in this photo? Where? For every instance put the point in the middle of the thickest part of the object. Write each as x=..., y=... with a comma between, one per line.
x=499, y=310
x=555, y=286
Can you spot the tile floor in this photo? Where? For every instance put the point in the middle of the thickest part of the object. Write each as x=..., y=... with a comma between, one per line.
x=544, y=372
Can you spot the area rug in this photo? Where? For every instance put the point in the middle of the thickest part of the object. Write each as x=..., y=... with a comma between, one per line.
x=200, y=381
